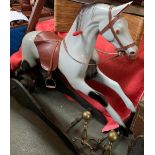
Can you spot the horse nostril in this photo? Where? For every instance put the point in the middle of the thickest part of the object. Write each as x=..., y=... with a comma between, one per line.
x=132, y=53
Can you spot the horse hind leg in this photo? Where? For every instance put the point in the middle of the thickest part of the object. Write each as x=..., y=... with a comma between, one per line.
x=81, y=85
x=29, y=49
x=103, y=79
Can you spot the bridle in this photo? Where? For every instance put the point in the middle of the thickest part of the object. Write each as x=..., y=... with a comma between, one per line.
x=120, y=51
x=110, y=26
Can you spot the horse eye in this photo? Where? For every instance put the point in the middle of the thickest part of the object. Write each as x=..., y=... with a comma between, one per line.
x=117, y=31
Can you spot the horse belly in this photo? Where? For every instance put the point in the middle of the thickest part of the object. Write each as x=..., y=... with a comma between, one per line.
x=29, y=49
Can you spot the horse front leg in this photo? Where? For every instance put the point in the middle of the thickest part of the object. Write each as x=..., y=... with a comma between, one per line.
x=81, y=85
x=103, y=79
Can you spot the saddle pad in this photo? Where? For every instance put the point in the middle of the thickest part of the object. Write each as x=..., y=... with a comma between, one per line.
x=48, y=44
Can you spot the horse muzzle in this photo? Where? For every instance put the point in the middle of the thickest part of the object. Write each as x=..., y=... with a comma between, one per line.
x=132, y=55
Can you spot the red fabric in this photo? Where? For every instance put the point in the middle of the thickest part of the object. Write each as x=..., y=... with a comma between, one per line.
x=15, y=59
x=128, y=73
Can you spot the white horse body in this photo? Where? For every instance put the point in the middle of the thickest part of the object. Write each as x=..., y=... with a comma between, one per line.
x=81, y=47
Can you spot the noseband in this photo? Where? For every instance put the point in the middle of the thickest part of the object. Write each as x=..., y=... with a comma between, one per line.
x=110, y=26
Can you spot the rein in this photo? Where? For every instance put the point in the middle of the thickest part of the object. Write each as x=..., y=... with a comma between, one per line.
x=92, y=64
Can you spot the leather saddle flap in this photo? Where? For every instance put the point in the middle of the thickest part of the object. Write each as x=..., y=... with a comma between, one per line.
x=48, y=45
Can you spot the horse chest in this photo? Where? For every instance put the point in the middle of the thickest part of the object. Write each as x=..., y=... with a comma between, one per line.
x=48, y=46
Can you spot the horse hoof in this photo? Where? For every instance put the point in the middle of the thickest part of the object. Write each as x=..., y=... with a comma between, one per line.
x=25, y=66
x=124, y=131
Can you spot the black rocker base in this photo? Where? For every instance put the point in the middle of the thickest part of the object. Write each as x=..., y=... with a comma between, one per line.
x=63, y=116
x=53, y=107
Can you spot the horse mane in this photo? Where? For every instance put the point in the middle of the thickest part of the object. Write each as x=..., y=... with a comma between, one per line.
x=88, y=5
x=85, y=7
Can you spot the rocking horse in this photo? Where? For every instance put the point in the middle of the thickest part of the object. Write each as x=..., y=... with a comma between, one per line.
x=75, y=55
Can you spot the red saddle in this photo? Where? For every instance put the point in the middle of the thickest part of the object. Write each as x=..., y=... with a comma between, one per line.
x=48, y=45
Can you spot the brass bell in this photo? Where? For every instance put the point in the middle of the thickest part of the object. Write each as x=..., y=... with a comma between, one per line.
x=112, y=136
x=84, y=136
x=86, y=115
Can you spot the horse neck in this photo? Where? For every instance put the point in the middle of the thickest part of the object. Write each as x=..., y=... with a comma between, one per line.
x=86, y=40
x=90, y=22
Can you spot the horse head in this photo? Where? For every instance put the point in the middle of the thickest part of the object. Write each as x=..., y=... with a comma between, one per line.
x=116, y=31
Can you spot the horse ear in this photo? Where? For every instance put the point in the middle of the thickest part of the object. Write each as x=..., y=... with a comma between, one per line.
x=118, y=9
